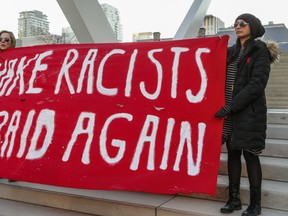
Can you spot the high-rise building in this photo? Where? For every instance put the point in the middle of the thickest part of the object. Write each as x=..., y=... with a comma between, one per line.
x=113, y=18
x=32, y=23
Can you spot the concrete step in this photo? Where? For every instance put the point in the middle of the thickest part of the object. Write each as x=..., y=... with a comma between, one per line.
x=279, y=92
x=280, y=69
x=277, y=127
x=183, y=206
x=274, y=102
x=276, y=97
x=109, y=203
x=272, y=168
x=279, y=78
x=277, y=131
x=274, y=193
x=13, y=208
x=277, y=81
x=277, y=86
x=277, y=100
x=281, y=65
x=276, y=148
x=95, y=202
x=277, y=116
x=281, y=106
x=275, y=76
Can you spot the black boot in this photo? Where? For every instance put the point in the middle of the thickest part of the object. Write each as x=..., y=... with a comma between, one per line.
x=254, y=208
x=234, y=202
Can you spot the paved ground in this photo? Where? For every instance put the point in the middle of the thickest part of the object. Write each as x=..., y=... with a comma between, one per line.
x=12, y=208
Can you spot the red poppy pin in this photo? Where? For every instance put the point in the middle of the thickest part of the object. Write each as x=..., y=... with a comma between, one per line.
x=248, y=60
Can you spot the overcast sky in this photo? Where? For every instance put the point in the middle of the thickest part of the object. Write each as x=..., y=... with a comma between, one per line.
x=164, y=16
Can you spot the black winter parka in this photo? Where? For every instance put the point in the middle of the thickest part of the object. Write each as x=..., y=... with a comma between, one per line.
x=248, y=105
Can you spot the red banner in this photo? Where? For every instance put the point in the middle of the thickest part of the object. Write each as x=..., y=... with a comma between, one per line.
x=116, y=116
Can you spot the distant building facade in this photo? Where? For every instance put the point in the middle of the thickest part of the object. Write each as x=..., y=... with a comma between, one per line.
x=69, y=36
x=147, y=36
x=142, y=36
x=212, y=24
x=33, y=29
x=113, y=17
x=28, y=41
x=32, y=23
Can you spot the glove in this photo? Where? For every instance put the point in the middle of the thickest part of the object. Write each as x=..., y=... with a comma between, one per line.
x=223, y=112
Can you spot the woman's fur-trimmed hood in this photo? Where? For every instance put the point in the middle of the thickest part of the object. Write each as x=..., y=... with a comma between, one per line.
x=274, y=51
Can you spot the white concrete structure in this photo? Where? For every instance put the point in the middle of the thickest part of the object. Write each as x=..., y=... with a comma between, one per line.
x=88, y=21
x=90, y=25
x=193, y=20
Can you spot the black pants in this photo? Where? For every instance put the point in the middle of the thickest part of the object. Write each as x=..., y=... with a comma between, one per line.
x=253, y=166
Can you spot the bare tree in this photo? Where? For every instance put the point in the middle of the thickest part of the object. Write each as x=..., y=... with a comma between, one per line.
x=57, y=39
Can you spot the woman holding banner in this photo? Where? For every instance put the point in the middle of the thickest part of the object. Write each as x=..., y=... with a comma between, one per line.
x=245, y=110
x=7, y=40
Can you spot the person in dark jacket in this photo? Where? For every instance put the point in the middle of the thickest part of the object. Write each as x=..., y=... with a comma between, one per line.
x=245, y=110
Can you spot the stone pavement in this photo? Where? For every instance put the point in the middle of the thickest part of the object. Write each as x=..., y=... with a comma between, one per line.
x=12, y=208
